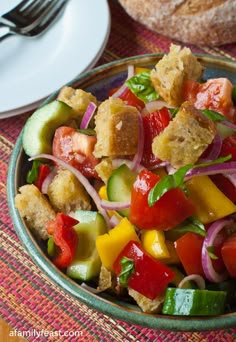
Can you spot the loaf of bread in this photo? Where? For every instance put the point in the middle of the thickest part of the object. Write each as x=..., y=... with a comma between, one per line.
x=209, y=22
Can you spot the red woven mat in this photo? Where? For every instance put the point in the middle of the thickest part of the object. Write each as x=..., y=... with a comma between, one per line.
x=29, y=300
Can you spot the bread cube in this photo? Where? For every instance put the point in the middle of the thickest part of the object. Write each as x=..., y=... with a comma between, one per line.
x=34, y=207
x=117, y=127
x=171, y=71
x=185, y=138
x=78, y=99
x=147, y=305
x=67, y=194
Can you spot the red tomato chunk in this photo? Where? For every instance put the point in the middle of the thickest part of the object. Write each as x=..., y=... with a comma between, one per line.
x=76, y=149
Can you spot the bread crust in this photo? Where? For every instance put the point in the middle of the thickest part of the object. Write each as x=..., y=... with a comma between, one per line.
x=209, y=22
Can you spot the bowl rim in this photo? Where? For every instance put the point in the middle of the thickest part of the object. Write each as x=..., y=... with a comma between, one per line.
x=112, y=309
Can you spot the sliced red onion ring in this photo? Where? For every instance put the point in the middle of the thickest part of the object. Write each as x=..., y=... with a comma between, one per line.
x=114, y=221
x=124, y=87
x=154, y=105
x=47, y=181
x=231, y=177
x=215, y=149
x=229, y=124
x=138, y=156
x=130, y=71
x=88, y=115
x=228, y=168
x=116, y=162
x=199, y=280
x=208, y=269
x=110, y=205
x=83, y=180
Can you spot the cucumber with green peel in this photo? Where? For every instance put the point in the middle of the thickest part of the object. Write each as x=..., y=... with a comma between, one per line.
x=119, y=186
x=40, y=127
x=193, y=302
x=86, y=263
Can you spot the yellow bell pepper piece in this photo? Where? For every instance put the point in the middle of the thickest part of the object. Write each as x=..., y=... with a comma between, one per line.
x=173, y=258
x=153, y=241
x=138, y=70
x=111, y=244
x=211, y=204
x=103, y=192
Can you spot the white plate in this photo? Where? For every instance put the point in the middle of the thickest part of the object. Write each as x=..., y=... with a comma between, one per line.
x=32, y=69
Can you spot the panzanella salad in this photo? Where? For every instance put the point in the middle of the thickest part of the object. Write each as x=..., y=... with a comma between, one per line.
x=135, y=195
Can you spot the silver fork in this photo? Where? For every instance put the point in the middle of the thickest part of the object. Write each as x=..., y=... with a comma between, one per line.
x=21, y=15
x=31, y=18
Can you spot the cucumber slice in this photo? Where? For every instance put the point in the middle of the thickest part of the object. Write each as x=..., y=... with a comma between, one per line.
x=119, y=186
x=41, y=125
x=193, y=302
x=86, y=263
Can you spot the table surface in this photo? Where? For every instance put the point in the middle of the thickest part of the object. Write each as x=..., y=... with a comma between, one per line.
x=30, y=302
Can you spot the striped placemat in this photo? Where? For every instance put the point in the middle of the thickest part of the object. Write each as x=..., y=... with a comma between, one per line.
x=30, y=302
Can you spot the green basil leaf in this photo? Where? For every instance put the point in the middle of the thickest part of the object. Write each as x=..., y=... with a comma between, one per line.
x=175, y=180
x=210, y=251
x=33, y=174
x=192, y=224
x=127, y=269
x=141, y=86
x=173, y=111
x=234, y=95
x=214, y=116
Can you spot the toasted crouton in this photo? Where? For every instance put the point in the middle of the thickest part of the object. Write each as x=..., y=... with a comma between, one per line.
x=78, y=99
x=116, y=125
x=67, y=194
x=35, y=209
x=146, y=304
x=105, y=279
x=104, y=169
x=171, y=71
x=185, y=138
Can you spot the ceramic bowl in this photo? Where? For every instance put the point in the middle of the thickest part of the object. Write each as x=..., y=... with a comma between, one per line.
x=98, y=81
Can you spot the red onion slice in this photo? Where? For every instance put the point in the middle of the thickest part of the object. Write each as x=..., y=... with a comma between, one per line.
x=228, y=168
x=114, y=221
x=214, y=151
x=208, y=269
x=110, y=205
x=47, y=181
x=116, y=162
x=155, y=105
x=83, y=180
x=88, y=115
x=229, y=124
x=231, y=177
x=130, y=71
x=199, y=280
x=124, y=87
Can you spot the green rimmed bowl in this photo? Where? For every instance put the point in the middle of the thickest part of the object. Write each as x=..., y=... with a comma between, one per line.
x=98, y=81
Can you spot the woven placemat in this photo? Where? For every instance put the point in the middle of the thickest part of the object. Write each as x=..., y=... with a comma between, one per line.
x=30, y=302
